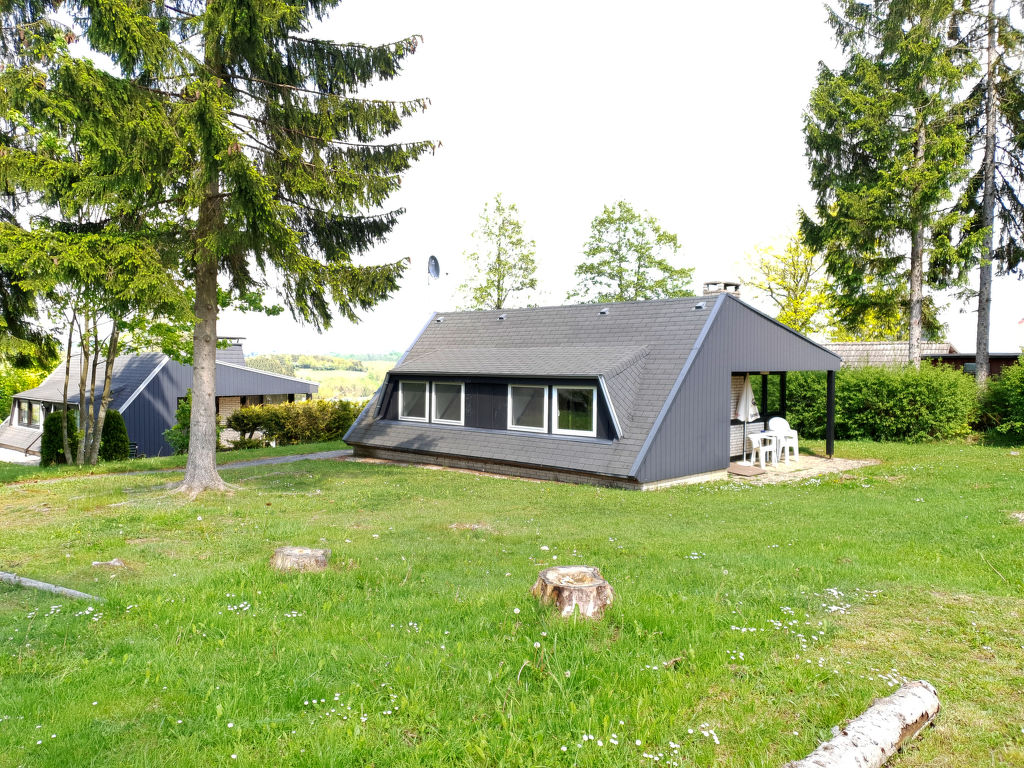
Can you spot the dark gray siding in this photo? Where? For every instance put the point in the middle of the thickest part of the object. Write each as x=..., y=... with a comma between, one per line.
x=693, y=437
x=152, y=411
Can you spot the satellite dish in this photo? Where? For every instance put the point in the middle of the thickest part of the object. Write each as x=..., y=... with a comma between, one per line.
x=433, y=268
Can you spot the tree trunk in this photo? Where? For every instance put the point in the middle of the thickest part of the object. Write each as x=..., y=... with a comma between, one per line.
x=67, y=378
x=988, y=205
x=108, y=375
x=574, y=586
x=83, y=378
x=93, y=436
x=201, y=468
x=871, y=739
x=917, y=267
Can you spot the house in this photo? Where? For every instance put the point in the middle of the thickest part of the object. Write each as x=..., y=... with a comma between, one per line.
x=146, y=389
x=857, y=354
x=630, y=395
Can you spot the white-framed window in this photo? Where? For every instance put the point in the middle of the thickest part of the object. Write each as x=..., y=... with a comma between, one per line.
x=412, y=400
x=449, y=402
x=30, y=414
x=528, y=407
x=575, y=411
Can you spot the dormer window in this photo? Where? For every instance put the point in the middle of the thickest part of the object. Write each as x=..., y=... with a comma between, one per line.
x=575, y=411
x=449, y=402
x=528, y=408
x=412, y=400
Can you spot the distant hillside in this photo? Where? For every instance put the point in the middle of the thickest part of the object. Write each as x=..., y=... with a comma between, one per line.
x=339, y=376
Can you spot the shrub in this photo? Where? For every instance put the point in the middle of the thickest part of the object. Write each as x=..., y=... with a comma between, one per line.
x=51, y=444
x=177, y=435
x=246, y=443
x=114, y=438
x=310, y=421
x=903, y=404
x=1002, y=402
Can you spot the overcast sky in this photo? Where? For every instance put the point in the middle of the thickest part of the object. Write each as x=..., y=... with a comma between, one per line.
x=692, y=111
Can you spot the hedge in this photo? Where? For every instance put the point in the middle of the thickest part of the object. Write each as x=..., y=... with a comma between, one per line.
x=309, y=421
x=1002, y=402
x=888, y=404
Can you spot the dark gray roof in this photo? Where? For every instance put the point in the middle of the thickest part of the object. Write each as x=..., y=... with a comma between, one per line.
x=638, y=348
x=232, y=354
x=545, y=362
x=19, y=438
x=130, y=371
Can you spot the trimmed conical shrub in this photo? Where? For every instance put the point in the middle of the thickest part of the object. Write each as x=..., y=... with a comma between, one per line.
x=114, y=438
x=51, y=445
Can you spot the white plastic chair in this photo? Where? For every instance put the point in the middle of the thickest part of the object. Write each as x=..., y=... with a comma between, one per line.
x=789, y=440
x=760, y=444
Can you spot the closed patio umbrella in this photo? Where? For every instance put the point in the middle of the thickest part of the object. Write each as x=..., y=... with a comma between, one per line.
x=746, y=411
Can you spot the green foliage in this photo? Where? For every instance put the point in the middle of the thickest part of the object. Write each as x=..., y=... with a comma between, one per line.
x=627, y=259
x=887, y=149
x=14, y=380
x=310, y=421
x=177, y=435
x=502, y=264
x=51, y=444
x=274, y=363
x=904, y=403
x=287, y=364
x=1002, y=402
x=114, y=445
x=795, y=282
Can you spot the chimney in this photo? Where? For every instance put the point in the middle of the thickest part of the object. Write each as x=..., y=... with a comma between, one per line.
x=715, y=287
x=233, y=352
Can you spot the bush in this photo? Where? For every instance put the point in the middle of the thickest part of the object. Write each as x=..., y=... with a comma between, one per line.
x=177, y=436
x=310, y=421
x=114, y=438
x=1002, y=402
x=902, y=404
x=51, y=445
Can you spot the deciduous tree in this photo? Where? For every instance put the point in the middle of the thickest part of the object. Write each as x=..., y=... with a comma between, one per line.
x=501, y=264
x=794, y=280
x=628, y=259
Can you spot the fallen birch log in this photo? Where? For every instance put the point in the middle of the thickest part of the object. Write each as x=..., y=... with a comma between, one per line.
x=888, y=724
x=20, y=581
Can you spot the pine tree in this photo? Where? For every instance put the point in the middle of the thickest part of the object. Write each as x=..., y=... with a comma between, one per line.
x=995, y=126
x=886, y=149
x=225, y=136
x=627, y=259
x=502, y=265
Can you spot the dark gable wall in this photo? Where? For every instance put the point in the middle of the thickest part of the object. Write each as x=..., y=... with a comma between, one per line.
x=694, y=436
x=487, y=402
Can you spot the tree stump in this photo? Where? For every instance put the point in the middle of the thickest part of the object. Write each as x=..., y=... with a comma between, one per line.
x=888, y=724
x=300, y=559
x=572, y=586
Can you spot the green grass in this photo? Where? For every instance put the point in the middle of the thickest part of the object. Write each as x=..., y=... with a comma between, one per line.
x=10, y=473
x=427, y=650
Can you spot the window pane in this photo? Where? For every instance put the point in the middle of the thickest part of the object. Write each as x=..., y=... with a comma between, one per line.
x=576, y=409
x=414, y=399
x=448, y=402
x=528, y=407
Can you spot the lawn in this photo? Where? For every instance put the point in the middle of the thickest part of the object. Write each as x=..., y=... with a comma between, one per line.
x=18, y=472
x=784, y=610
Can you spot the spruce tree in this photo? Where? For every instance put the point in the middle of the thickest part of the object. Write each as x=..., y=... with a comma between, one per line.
x=226, y=136
x=995, y=126
x=886, y=148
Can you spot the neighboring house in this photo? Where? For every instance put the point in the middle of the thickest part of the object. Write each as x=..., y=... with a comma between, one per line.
x=632, y=395
x=857, y=354
x=146, y=389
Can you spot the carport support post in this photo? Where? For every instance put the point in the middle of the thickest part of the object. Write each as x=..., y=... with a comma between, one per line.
x=782, y=394
x=830, y=417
